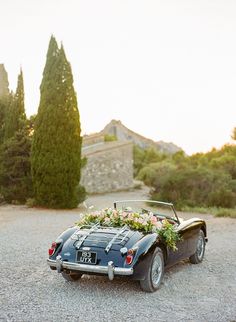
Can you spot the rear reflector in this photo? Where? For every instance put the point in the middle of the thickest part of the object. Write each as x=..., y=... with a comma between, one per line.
x=129, y=259
x=52, y=249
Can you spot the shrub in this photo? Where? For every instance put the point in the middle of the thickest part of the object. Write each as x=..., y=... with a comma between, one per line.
x=109, y=138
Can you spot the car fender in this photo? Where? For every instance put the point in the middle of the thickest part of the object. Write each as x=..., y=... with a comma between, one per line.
x=62, y=239
x=142, y=248
x=144, y=244
x=66, y=234
x=144, y=254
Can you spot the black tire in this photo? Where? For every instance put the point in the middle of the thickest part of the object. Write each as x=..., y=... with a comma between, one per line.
x=71, y=277
x=154, y=273
x=197, y=257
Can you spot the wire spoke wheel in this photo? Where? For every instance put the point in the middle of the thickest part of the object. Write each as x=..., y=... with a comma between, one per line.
x=200, y=246
x=156, y=270
x=197, y=257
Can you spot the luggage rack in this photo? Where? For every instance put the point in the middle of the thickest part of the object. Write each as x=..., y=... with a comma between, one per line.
x=118, y=238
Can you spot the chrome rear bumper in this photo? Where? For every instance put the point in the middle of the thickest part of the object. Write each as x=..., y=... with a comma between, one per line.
x=109, y=270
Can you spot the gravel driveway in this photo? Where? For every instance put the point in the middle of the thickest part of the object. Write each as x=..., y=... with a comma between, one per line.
x=30, y=291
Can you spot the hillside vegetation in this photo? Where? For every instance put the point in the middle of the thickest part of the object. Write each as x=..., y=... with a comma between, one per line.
x=200, y=180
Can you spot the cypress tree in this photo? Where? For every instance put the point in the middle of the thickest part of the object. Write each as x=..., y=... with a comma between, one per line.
x=56, y=147
x=4, y=99
x=4, y=84
x=15, y=117
x=15, y=169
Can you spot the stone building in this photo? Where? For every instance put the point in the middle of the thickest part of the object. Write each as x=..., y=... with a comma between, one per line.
x=109, y=165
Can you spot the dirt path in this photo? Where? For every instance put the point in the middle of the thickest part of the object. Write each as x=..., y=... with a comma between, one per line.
x=29, y=291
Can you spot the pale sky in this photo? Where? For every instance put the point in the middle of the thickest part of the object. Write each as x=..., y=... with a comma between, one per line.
x=166, y=69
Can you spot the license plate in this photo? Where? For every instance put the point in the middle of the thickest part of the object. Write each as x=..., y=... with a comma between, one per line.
x=85, y=257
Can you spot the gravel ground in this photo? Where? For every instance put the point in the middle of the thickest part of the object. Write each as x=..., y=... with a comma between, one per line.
x=30, y=291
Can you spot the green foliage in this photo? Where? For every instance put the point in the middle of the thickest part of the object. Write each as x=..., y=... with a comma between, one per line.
x=200, y=180
x=15, y=117
x=109, y=138
x=216, y=211
x=81, y=193
x=30, y=202
x=4, y=84
x=3, y=106
x=155, y=172
x=145, y=222
x=223, y=212
x=143, y=157
x=15, y=175
x=196, y=186
x=233, y=135
x=169, y=235
x=56, y=147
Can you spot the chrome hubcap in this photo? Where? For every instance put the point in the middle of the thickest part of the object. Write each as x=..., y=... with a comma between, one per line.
x=200, y=247
x=156, y=270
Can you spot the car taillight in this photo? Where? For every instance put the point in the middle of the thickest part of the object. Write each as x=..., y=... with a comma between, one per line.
x=52, y=249
x=129, y=257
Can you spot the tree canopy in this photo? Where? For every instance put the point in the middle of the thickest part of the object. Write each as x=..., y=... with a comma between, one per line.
x=56, y=147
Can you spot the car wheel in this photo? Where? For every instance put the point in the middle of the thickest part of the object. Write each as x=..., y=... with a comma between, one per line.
x=197, y=257
x=71, y=277
x=154, y=273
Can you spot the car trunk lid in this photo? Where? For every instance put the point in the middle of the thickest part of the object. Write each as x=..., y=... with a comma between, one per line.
x=107, y=238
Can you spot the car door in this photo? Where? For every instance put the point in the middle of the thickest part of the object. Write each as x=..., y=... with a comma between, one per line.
x=188, y=231
x=174, y=256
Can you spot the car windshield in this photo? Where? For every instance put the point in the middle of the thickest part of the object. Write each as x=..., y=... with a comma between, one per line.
x=158, y=208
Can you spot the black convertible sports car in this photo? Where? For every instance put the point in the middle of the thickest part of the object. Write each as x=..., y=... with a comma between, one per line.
x=108, y=250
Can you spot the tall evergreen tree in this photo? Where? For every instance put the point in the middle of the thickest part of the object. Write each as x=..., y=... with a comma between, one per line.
x=56, y=147
x=4, y=84
x=15, y=169
x=15, y=118
x=4, y=99
x=233, y=135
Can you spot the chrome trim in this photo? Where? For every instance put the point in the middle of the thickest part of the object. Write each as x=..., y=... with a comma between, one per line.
x=110, y=270
x=125, y=236
x=59, y=263
x=150, y=201
x=81, y=240
x=86, y=248
x=140, y=200
x=114, y=238
x=124, y=250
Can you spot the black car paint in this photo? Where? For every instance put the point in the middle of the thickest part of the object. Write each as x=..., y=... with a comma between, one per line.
x=145, y=245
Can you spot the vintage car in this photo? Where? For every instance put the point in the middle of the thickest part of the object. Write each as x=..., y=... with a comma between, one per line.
x=122, y=251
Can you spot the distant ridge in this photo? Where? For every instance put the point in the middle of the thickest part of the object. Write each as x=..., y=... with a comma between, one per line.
x=115, y=127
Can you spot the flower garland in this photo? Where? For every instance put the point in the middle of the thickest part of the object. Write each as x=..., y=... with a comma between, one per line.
x=144, y=222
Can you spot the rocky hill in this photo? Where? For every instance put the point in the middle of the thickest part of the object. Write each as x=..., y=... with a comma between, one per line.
x=124, y=134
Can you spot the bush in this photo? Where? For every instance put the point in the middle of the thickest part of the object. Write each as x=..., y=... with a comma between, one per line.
x=222, y=198
x=144, y=157
x=81, y=193
x=154, y=173
x=222, y=212
x=109, y=138
x=195, y=187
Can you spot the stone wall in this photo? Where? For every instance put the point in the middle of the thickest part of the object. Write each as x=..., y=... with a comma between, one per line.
x=93, y=139
x=109, y=167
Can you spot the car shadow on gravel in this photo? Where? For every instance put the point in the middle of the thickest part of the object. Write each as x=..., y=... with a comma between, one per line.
x=103, y=285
